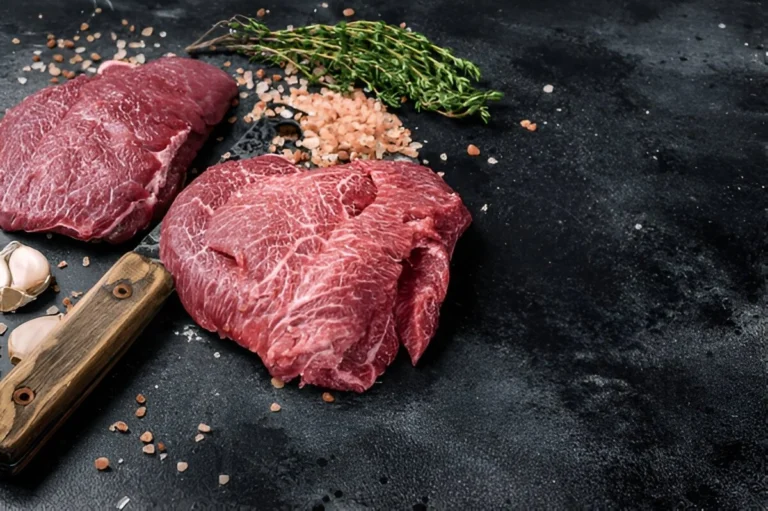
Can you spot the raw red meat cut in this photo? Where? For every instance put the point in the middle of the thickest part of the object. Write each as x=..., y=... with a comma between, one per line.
x=322, y=273
x=100, y=157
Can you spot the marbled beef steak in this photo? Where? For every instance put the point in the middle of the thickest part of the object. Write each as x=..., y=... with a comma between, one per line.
x=100, y=157
x=323, y=273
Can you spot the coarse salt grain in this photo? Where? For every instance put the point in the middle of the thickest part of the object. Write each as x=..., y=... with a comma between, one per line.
x=548, y=89
x=22, y=80
x=492, y=160
x=444, y=157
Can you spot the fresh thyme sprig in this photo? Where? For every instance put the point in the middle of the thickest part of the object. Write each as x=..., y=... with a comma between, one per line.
x=391, y=62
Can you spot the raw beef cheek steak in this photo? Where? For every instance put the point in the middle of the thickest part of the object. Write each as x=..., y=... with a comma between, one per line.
x=100, y=157
x=322, y=273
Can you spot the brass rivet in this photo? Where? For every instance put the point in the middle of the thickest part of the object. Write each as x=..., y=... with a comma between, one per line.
x=122, y=291
x=23, y=396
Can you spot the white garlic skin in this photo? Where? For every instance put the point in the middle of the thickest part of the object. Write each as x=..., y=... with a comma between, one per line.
x=27, y=336
x=29, y=269
x=5, y=273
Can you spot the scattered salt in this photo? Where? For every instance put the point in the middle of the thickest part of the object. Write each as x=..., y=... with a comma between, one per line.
x=548, y=89
x=444, y=157
x=217, y=355
x=122, y=503
x=721, y=25
x=484, y=208
x=638, y=226
x=492, y=160
x=22, y=80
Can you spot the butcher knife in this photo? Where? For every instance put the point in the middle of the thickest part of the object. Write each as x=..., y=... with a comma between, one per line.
x=39, y=393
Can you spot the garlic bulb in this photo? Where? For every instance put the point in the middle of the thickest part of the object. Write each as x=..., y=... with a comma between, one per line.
x=29, y=269
x=27, y=336
x=24, y=274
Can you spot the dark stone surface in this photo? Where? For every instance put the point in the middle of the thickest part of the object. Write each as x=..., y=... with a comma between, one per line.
x=603, y=343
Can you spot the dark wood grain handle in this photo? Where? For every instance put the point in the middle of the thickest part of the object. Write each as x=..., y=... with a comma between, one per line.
x=45, y=388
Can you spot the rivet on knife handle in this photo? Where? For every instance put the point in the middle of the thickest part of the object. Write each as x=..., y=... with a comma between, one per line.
x=45, y=387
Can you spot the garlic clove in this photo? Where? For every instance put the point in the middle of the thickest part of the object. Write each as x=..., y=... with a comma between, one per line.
x=30, y=270
x=28, y=336
x=5, y=274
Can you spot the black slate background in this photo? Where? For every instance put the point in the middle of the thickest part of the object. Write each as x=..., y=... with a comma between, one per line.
x=603, y=344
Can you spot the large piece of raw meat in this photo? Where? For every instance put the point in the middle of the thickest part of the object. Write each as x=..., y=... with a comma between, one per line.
x=100, y=157
x=323, y=273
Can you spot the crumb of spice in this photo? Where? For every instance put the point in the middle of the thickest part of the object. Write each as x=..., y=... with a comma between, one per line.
x=161, y=446
x=182, y=466
x=525, y=123
x=102, y=463
x=531, y=127
x=147, y=31
x=328, y=397
x=62, y=264
x=51, y=43
x=199, y=437
x=274, y=407
x=148, y=449
x=125, y=23
x=223, y=479
x=54, y=80
x=69, y=44
x=67, y=303
x=35, y=58
x=3, y=328
x=56, y=288
x=348, y=12
x=120, y=426
x=16, y=40
x=95, y=57
x=232, y=120
x=58, y=57
x=261, y=13
x=473, y=150
x=146, y=437
x=141, y=399
x=84, y=27
x=68, y=74
x=278, y=383
x=203, y=428
x=141, y=411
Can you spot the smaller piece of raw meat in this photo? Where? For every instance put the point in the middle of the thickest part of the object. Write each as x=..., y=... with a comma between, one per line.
x=100, y=157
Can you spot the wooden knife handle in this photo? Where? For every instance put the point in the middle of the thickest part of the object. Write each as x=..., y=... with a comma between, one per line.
x=39, y=393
